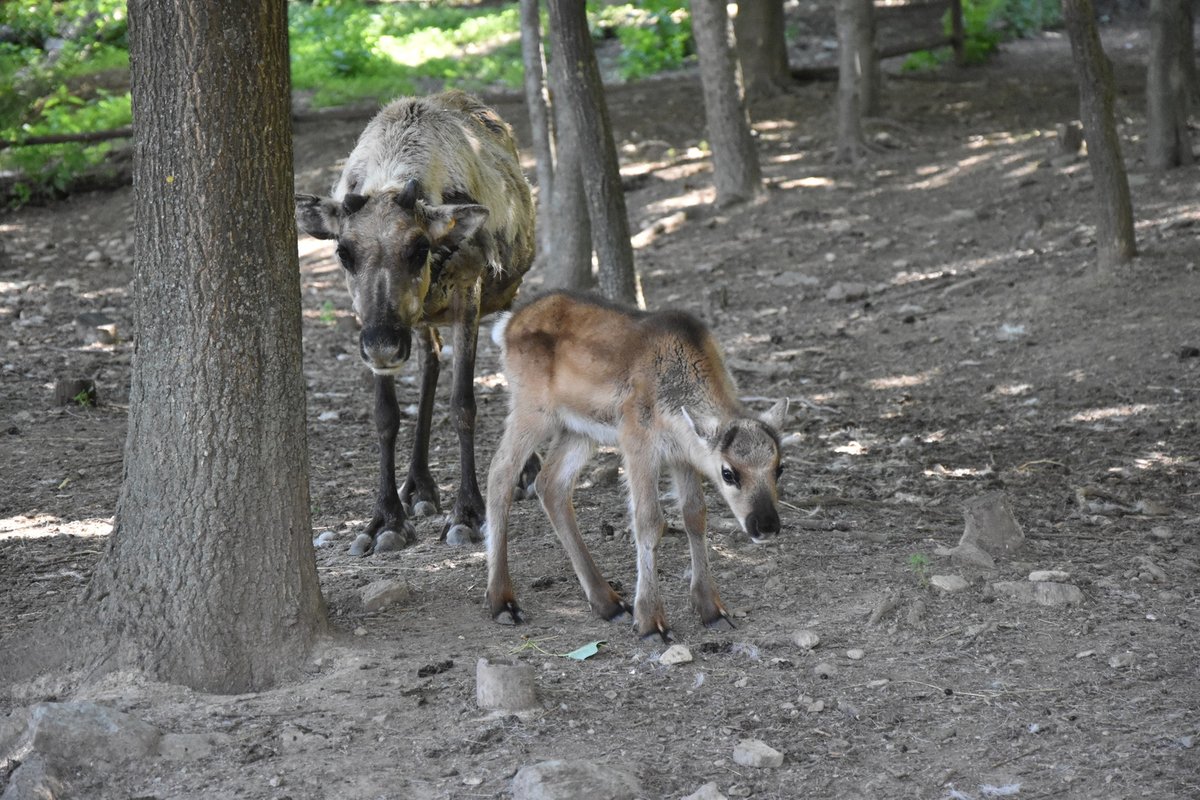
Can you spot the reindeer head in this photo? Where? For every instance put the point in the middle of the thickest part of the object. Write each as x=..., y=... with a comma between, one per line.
x=743, y=459
x=387, y=243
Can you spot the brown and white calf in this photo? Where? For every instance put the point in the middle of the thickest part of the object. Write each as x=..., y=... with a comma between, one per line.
x=582, y=372
x=434, y=226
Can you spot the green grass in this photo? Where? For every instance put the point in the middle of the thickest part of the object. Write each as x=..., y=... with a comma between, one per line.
x=341, y=51
x=987, y=23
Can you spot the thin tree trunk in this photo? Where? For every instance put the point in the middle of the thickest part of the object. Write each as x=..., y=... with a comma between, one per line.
x=210, y=579
x=1114, y=222
x=538, y=102
x=1168, y=97
x=567, y=220
x=736, y=171
x=851, y=147
x=583, y=95
x=759, y=30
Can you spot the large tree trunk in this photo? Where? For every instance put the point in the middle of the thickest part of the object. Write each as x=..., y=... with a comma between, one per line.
x=538, y=103
x=851, y=16
x=1114, y=221
x=761, y=47
x=736, y=170
x=570, y=228
x=1168, y=96
x=582, y=94
x=209, y=579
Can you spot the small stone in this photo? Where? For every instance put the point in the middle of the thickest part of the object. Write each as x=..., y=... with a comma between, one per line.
x=949, y=583
x=328, y=416
x=676, y=654
x=505, y=686
x=824, y=670
x=848, y=292
x=360, y=631
x=1085, y=654
x=565, y=780
x=1161, y=532
x=815, y=707
x=1044, y=575
x=1044, y=593
x=806, y=639
x=93, y=256
x=324, y=539
x=708, y=791
x=855, y=654
x=756, y=753
x=1121, y=660
x=383, y=593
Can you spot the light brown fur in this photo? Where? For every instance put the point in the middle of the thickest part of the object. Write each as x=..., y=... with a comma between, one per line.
x=582, y=371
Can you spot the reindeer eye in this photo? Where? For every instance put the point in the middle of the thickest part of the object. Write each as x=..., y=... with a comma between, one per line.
x=346, y=256
x=419, y=252
x=729, y=476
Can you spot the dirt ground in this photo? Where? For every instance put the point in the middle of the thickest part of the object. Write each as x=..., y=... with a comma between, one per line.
x=939, y=325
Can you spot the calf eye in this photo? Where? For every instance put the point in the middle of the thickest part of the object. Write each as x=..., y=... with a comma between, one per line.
x=729, y=476
x=346, y=256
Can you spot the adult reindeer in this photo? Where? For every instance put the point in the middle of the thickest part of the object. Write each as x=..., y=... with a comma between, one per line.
x=434, y=226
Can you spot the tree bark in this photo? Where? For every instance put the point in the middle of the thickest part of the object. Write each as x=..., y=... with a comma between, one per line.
x=570, y=228
x=759, y=30
x=1097, y=93
x=1168, y=96
x=210, y=579
x=736, y=171
x=538, y=103
x=583, y=97
x=851, y=147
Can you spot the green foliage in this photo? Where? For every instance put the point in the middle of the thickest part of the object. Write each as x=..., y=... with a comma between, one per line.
x=655, y=35
x=987, y=23
x=919, y=564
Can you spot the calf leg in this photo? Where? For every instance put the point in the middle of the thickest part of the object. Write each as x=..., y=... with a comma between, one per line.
x=691, y=505
x=523, y=432
x=389, y=528
x=555, y=485
x=467, y=517
x=641, y=473
x=420, y=492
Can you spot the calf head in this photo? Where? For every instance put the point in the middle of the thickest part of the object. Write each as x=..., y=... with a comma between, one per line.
x=743, y=459
x=387, y=244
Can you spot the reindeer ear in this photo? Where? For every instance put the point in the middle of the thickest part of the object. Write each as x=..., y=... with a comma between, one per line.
x=705, y=427
x=319, y=217
x=450, y=226
x=774, y=415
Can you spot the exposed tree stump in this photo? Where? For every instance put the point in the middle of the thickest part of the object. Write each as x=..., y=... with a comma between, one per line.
x=504, y=686
x=991, y=526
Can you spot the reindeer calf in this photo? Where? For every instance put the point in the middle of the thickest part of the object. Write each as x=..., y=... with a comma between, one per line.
x=582, y=371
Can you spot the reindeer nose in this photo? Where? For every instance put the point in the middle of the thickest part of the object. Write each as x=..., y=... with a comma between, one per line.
x=762, y=524
x=384, y=348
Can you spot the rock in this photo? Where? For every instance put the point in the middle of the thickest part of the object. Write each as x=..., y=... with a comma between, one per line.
x=85, y=735
x=969, y=554
x=1161, y=532
x=328, y=416
x=96, y=327
x=191, y=746
x=324, y=539
x=806, y=639
x=293, y=739
x=855, y=654
x=756, y=753
x=949, y=583
x=568, y=780
x=1044, y=575
x=383, y=593
x=93, y=256
x=824, y=670
x=990, y=525
x=1044, y=593
x=505, y=686
x=1121, y=660
x=848, y=292
x=34, y=779
x=708, y=791
x=676, y=654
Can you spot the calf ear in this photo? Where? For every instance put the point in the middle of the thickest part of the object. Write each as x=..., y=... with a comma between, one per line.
x=705, y=427
x=319, y=217
x=774, y=415
x=450, y=226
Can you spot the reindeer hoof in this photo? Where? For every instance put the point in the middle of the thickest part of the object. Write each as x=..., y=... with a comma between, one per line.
x=424, y=508
x=362, y=544
x=617, y=611
x=462, y=535
x=659, y=629
x=515, y=615
x=718, y=619
x=388, y=540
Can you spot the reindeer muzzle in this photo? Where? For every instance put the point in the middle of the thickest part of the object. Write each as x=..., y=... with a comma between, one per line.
x=763, y=523
x=385, y=349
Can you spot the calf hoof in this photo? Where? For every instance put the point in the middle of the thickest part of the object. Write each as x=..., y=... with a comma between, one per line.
x=515, y=615
x=424, y=508
x=655, y=628
x=462, y=535
x=362, y=544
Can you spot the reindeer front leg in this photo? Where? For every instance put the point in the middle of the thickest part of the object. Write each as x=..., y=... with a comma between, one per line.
x=641, y=472
x=695, y=517
x=420, y=492
x=466, y=519
x=389, y=528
